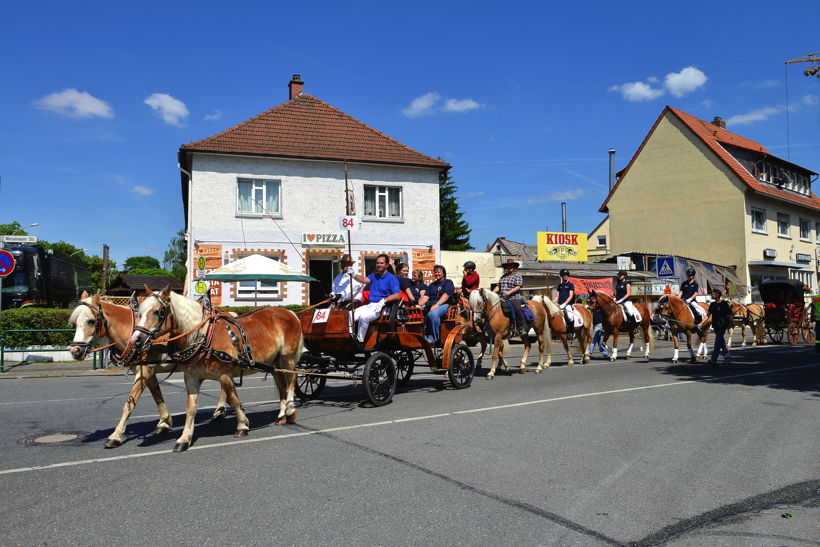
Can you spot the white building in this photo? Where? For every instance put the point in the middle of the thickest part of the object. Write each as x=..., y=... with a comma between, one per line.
x=275, y=185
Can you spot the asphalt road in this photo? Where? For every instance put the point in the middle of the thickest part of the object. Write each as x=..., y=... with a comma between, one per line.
x=634, y=452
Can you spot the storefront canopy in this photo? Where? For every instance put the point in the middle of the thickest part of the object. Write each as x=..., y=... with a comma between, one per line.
x=256, y=268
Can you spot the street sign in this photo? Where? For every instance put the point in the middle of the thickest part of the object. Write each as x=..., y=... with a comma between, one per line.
x=6, y=263
x=19, y=239
x=666, y=266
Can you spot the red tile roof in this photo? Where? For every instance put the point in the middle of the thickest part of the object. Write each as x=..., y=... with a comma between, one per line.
x=306, y=127
x=714, y=136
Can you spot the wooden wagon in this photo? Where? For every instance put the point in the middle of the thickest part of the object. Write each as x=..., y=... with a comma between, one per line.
x=785, y=311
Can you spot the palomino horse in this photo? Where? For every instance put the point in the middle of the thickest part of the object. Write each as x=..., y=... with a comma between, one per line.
x=95, y=320
x=744, y=315
x=267, y=338
x=583, y=333
x=465, y=316
x=681, y=319
x=486, y=308
x=612, y=319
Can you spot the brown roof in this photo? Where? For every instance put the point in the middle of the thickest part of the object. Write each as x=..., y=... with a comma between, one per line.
x=305, y=127
x=126, y=284
x=714, y=137
x=521, y=250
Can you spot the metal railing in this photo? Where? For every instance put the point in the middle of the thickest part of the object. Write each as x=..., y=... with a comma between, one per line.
x=95, y=361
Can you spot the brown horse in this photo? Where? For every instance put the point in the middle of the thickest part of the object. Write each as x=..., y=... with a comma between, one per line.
x=486, y=308
x=269, y=336
x=744, y=315
x=583, y=333
x=612, y=319
x=681, y=319
x=94, y=320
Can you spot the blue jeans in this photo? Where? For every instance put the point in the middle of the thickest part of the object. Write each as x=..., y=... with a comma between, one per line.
x=598, y=339
x=434, y=321
x=720, y=346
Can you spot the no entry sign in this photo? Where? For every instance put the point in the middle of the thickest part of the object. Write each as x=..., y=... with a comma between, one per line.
x=6, y=263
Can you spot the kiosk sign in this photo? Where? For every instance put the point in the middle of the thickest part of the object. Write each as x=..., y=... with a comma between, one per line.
x=562, y=246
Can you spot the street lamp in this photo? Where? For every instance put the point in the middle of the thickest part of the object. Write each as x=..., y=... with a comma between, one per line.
x=78, y=251
x=25, y=227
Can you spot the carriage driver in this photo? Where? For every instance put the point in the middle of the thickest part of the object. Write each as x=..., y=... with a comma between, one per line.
x=384, y=288
x=342, y=284
x=566, y=297
x=509, y=288
x=688, y=292
x=623, y=296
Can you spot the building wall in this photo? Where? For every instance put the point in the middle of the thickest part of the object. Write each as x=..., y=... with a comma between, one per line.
x=454, y=261
x=679, y=198
x=312, y=199
x=592, y=240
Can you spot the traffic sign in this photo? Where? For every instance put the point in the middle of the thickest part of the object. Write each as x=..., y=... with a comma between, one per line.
x=6, y=263
x=666, y=266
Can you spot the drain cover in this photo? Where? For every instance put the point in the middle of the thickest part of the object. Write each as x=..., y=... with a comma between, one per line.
x=58, y=437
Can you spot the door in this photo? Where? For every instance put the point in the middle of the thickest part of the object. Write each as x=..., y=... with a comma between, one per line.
x=323, y=271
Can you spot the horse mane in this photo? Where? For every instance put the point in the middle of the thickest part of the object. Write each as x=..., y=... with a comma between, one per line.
x=186, y=311
x=551, y=306
x=475, y=298
x=76, y=313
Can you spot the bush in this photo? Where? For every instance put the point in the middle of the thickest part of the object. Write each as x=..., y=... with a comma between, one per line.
x=36, y=318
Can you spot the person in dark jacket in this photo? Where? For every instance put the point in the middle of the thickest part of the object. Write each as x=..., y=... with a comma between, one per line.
x=436, y=301
x=721, y=313
x=597, y=333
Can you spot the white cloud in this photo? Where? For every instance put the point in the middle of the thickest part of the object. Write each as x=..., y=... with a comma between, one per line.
x=422, y=106
x=460, y=105
x=171, y=110
x=637, y=91
x=810, y=100
x=142, y=190
x=708, y=103
x=215, y=115
x=75, y=104
x=754, y=116
x=684, y=82
x=565, y=195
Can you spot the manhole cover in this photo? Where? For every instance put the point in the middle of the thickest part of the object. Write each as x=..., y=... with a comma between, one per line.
x=58, y=437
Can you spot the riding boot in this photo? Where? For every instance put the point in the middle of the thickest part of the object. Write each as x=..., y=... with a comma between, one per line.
x=570, y=324
x=522, y=328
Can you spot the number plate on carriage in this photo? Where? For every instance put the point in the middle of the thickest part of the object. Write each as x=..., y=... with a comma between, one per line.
x=321, y=316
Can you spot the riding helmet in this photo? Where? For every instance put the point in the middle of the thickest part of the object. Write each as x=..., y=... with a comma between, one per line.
x=469, y=265
x=621, y=273
x=564, y=272
x=690, y=272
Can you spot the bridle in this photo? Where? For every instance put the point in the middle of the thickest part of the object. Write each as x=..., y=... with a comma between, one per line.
x=164, y=312
x=99, y=321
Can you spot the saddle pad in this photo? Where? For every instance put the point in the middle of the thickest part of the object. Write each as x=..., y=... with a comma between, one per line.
x=529, y=317
x=577, y=318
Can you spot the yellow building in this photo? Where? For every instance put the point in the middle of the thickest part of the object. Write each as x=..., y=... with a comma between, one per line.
x=695, y=189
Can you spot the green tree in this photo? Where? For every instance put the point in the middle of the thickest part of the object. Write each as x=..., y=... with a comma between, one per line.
x=134, y=262
x=455, y=232
x=12, y=228
x=149, y=271
x=176, y=255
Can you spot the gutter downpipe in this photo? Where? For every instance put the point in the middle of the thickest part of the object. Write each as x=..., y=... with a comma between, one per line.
x=190, y=238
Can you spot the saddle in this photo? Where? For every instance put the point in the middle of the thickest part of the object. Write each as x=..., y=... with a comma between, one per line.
x=507, y=309
x=638, y=316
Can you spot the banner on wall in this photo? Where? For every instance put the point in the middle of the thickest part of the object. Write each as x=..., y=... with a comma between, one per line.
x=207, y=258
x=584, y=285
x=562, y=246
x=424, y=260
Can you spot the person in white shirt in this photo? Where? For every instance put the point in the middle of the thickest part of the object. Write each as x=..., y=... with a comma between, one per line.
x=342, y=283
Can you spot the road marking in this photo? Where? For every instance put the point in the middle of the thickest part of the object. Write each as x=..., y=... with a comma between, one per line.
x=272, y=387
x=386, y=422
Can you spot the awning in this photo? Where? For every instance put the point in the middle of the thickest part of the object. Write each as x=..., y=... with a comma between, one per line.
x=734, y=286
x=773, y=264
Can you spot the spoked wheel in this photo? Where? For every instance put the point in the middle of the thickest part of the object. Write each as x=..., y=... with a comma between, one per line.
x=462, y=367
x=808, y=331
x=379, y=378
x=775, y=334
x=309, y=387
x=404, y=366
x=793, y=333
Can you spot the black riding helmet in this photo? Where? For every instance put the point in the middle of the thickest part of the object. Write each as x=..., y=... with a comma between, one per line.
x=469, y=265
x=564, y=272
x=690, y=272
x=621, y=273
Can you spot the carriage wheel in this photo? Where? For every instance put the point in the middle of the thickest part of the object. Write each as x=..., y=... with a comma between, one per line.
x=462, y=367
x=379, y=378
x=808, y=331
x=404, y=366
x=309, y=386
x=775, y=334
x=793, y=333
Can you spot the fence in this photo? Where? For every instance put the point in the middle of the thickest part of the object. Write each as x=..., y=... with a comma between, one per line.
x=94, y=358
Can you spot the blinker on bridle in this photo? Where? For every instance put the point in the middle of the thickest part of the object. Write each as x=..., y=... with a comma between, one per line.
x=162, y=312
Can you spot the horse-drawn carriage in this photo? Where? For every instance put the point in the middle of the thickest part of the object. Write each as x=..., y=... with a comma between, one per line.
x=386, y=358
x=785, y=311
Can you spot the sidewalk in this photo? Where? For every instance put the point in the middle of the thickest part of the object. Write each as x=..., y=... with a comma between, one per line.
x=54, y=370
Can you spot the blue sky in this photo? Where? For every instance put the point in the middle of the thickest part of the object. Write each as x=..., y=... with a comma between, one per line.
x=523, y=99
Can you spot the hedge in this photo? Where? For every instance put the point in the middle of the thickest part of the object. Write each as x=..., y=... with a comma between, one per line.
x=55, y=318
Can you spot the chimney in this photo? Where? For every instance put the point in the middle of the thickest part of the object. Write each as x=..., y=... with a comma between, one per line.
x=295, y=87
x=611, y=168
x=718, y=121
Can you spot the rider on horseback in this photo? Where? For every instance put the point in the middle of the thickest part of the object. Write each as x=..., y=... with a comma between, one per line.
x=623, y=296
x=688, y=292
x=509, y=288
x=566, y=298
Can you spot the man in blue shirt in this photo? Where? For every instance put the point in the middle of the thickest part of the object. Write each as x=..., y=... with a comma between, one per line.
x=384, y=288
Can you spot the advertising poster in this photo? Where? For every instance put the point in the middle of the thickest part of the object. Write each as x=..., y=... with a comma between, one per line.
x=207, y=258
x=562, y=246
x=583, y=285
x=424, y=260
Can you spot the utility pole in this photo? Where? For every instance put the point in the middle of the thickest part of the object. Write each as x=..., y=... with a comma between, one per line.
x=813, y=58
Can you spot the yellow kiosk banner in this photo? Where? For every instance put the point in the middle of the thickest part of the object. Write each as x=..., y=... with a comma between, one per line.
x=562, y=246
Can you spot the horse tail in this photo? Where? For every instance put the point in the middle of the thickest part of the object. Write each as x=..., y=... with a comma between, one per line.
x=547, y=331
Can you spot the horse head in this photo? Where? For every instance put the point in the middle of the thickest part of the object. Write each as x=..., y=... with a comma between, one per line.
x=153, y=317
x=664, y=306
x=592, y=300
x=89, y=323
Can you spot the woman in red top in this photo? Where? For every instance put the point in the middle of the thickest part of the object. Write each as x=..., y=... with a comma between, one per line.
x=470, y=281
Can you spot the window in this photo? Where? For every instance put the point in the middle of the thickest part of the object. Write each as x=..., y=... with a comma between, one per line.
x=382, y=202
x=257, y=290
x=805, y=230
x=601, y=241
x=817, y=232
x=258, y=197
x=759, y=221
x=784, y=228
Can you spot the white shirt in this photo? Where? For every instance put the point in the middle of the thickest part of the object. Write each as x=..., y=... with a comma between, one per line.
x=341, y=285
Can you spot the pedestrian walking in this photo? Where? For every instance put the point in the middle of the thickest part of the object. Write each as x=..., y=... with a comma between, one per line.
x=721, y=313
x=597, y=333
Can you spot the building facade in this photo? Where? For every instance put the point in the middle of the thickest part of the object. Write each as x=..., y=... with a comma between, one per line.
x=275, y=185
x=695, y=189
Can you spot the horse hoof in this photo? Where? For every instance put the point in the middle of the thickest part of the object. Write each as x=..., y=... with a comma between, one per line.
x=161, y=431
x=291, y=418
x=281, y=420
x=181, y=447
x=113, y=443
x=490, y=376
x=538, y=371
x=218, y=414
x=611, y=359
x=241, y=433
x=522, y=371
x=674, y=361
